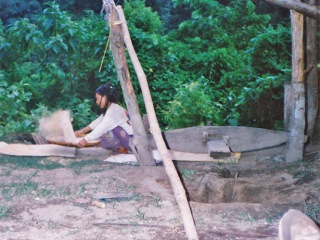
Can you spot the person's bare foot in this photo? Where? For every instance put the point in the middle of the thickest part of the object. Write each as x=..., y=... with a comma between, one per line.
x=121, y=150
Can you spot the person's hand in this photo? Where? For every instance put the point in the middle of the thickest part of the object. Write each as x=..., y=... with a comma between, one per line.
x=82, y=132
x=82, y=143
x=79, y=133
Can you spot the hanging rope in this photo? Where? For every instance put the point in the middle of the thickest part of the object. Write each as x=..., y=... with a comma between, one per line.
x=104, y=53
x=108, y=43
x=107, y=8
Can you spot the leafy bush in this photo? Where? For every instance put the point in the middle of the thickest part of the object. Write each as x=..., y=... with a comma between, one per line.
x=193, y=105
x=245, y=59
x=13, y=113
x=141, y=17
x=50, y=62
x=82, y=114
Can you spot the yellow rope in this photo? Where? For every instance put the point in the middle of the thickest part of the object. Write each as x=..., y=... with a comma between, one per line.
x=108, y=41
x=104, y=53
x=116, y=23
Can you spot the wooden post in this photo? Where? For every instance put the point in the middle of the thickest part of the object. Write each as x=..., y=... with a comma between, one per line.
x=288, y=104
x=141, y=146
x=175, y=181
x=295, y=145
x=311, y=74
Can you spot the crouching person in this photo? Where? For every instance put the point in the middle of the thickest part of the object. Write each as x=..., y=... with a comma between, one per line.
x=113, y=126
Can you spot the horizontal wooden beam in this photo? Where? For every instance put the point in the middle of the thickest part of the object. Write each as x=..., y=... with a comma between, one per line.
x=306, y=9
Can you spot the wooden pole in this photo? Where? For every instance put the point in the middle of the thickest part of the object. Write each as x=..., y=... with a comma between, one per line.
x=311, y=74
x=175, y=181
x=295, y=145
x=140, y=143
x=310, y=11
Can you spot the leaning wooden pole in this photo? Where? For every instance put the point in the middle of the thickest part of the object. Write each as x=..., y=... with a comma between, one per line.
x=175, y=181
x=140, y=145
x=296, y=126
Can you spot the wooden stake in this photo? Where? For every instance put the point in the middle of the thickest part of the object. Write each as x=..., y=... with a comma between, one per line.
x=175, y=181
x=295, y=145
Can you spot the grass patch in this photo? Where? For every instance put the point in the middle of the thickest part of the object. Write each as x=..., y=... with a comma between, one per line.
x=11, y=190
x=44, y=192
x=187, y=173
x=44, y=163
x=248, y=218
x=156, y=200
x=4, y=212
x=141, y=215
x=302, y=173
x=313, y=211
x=78, y=166
x=30, y=162
x=273, y=216
x=7, y=194
x=63, y=192
x=6, y=173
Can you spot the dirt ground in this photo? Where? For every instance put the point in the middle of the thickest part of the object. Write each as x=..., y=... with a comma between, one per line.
x=53, y=198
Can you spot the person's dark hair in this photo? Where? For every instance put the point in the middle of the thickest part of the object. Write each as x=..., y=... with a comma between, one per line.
x=111, y=93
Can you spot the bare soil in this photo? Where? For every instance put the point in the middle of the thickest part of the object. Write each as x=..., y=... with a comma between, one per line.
x=52, y=198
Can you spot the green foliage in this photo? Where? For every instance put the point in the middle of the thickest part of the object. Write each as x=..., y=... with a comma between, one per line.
x=159, y=61
x=226, y=64
x=195, y=104
x=242, y=56
x=271, y=50
x=156, y=54
x=142, y=17
x=82, y=113
x=222, y=26
x=14, y=111
x=12, y=10
x=13, y=99
x=50, y=62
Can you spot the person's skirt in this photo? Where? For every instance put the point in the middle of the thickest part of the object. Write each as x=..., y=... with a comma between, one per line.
x=115, y=139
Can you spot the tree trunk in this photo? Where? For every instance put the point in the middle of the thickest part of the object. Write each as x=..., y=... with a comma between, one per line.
x=308, y=10
x=295, y=145
x=311, y=74
x=175, y=181
x=140, y=142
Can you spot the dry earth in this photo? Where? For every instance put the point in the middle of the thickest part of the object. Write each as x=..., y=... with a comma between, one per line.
x=52, y=198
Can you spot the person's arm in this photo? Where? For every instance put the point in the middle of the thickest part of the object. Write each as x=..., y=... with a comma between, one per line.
x=81, y=133
x=108, y=122
x=90, y=127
